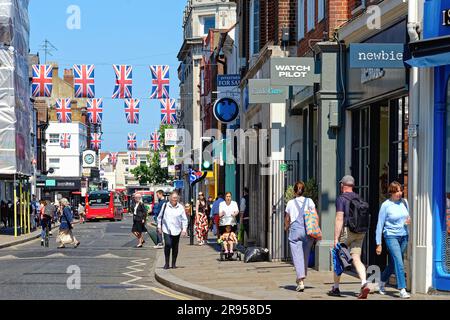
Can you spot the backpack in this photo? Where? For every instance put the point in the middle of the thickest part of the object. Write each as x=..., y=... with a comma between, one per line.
x=358, y=215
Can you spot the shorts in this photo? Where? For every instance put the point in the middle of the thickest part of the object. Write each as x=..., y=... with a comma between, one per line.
x=354, y=241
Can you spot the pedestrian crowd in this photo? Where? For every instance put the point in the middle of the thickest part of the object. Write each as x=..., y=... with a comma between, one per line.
x=351, y=226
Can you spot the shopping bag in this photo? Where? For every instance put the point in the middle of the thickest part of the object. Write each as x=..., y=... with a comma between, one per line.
x=241, y=233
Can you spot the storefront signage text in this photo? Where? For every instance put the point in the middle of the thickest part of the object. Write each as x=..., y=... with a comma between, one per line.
x=376, y=55
x=446, y=17
x=261, y=91
x=292, y=72
x=369, y=74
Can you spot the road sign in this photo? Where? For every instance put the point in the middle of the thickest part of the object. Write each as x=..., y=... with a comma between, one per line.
x=226, y=110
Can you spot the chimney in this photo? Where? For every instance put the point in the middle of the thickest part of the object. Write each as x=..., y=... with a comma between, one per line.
x=68, y=76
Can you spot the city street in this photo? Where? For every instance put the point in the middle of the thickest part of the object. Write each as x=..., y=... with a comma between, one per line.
x=111, y=268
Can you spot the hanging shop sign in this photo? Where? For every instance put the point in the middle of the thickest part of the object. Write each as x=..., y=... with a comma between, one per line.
x=226, y=110
x=377, y=55
x=170, y=137
x=178, y=184
x=262, y=91
x=293, y=71
x=446, y=17
x=228, y=87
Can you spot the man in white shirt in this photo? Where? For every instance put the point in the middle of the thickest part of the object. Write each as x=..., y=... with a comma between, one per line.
x=172, y=223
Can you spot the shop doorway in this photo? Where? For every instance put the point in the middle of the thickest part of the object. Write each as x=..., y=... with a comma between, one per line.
x=379, y=156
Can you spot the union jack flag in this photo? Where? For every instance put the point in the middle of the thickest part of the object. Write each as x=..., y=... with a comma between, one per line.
x=155, y=141
x=168, y=111
x=132, y=142
x=84, y=80
x=124, y=81
x=96, y=141
x=133, y=158
x=64, y=140
x=63, y=111
x=95, y=110
x=160, y=82
x=42, y=82
x=113, y=158
x=132, y=110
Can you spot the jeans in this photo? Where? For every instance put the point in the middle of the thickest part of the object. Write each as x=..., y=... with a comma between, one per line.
x=44, y=223
x=171, y=244
x=300, y=244
x=396, y=247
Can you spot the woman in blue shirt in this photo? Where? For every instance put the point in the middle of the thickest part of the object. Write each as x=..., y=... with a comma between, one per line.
x=65, y=235
x=392, y=224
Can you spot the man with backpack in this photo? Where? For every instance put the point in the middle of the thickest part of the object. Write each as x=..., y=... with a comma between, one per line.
x=351, y=226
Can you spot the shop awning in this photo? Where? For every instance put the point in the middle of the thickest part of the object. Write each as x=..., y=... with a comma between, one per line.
x=433, y=52
x=434, y=60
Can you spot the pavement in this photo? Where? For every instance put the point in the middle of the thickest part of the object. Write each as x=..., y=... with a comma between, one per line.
x=106, y=266
x=200, y=273
x=8, y=240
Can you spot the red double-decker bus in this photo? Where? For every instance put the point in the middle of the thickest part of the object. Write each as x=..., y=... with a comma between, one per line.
x=103, y=205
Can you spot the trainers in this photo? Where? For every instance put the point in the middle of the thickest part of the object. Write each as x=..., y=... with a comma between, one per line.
x=301, y=287
x=382, y=290
x=404, y=294
x=334, y=292
x=365, y=290
x=158, y=246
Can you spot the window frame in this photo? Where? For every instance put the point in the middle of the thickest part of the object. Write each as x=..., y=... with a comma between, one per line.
x=204, y=19
x=311, y=12
x=52, y=138
x=300, y=22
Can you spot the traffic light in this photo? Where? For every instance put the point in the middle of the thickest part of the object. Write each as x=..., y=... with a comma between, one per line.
x=206, y=161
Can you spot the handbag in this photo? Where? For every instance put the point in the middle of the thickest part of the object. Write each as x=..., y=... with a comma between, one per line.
x=312, y=223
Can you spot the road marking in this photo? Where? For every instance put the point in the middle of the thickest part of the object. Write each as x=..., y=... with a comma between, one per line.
x=170, y=294
x=8, y=257
x=137, y=263
x=108, y=256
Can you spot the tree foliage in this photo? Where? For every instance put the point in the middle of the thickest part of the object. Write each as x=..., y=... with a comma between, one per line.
x=153, y=173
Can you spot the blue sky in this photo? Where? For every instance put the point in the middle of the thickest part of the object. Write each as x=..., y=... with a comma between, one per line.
x=136, y=32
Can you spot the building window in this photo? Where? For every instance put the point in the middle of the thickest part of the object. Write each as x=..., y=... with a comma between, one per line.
x=209, y=22
x=254, y=27
x=54, y=138
x=54, y=163
x=300, y=19
x=321, y=10
x=311, y=14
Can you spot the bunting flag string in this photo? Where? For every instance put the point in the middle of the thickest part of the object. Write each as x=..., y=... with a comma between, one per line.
x=63, y=110
x=95, y=111
x=124, y=81
x=42, y=81
x=84, y=82
x=113, y=158
x=132, y=110
x=132, y=141
x=160, y=82
x=64, y=140
x=168, y=111
x=133, y=158
x=155, y=141
x=96, y=142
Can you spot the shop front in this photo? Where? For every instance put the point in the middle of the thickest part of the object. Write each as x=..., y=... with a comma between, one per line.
x=433, y=51
x=377, y=118
x=54, y=188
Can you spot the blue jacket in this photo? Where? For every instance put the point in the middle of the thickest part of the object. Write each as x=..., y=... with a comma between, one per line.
x=66, y=218
x=157, y=207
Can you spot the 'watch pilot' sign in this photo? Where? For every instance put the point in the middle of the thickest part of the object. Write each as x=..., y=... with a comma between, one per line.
x=292, y=71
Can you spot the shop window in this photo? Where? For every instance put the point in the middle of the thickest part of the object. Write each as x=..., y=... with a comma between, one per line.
x=361, y=151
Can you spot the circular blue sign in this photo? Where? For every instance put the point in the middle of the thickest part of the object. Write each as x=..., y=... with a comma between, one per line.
x=226, y=110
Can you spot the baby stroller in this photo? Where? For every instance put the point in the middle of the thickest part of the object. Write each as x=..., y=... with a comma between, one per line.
x=229, y=252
